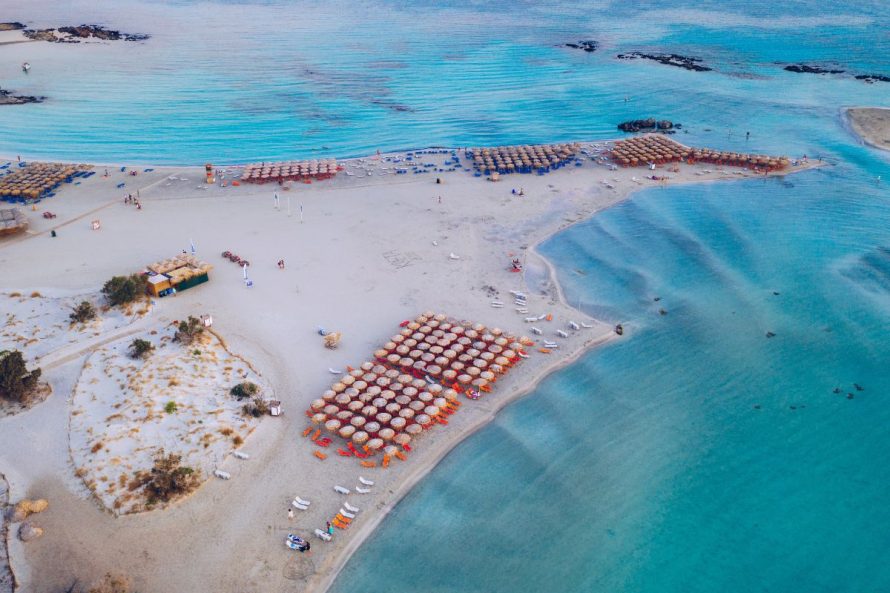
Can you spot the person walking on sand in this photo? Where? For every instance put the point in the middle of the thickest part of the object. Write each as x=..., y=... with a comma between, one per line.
x=330, y=528
x=290, y=514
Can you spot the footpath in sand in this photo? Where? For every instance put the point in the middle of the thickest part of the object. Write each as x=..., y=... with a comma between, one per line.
x=362, y=252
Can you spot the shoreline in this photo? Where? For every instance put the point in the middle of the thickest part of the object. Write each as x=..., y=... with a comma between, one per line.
x=480, y=220
x=412, y=479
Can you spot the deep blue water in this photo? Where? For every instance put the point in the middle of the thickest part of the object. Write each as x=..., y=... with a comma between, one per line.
x=696, y=454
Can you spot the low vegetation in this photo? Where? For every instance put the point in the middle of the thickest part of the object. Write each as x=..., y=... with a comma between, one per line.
x=189, y=330
x=140, y=348
x=121, y=290
x=256, y=407
x=245, y=389
x=83, y=312
x=111, y=583
x=168, y=479
x=16, y=381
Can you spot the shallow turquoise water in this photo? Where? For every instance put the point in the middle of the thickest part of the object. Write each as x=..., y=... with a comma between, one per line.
x=695, y=454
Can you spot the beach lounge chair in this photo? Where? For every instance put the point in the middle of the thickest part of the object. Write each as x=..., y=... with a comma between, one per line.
x=536, y=330
x=365, y=481
x=299, y=506
x=587, y=325
x=361, y=490
x=305, y=503
x=341, y=489
x=453, y=256
x=350, y=508
x=241, y=455
x=222, y=475
x=347, y=514
x=323, y=535
x=574, y=325
x=562, y=334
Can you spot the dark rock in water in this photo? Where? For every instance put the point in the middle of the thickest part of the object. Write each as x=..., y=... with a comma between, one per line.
x=850, y=396
x=82, y=32
x=685, y=62
x=589, y=45
x=770, y=335
x=776, y=293
x=14, y=26
x=756, y=406
x=648, y=125
x=836, y=390
x=662, y=312
x=805, y=69
x=871, y=78
x=858, y=387
x=619, y=329
x=7, y=98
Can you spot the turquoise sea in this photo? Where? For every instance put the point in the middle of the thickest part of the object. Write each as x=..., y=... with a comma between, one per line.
x=696, y=454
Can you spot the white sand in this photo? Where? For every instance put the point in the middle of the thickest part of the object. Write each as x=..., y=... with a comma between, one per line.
x=362, y=261
x=872, y=124
x=118, y=418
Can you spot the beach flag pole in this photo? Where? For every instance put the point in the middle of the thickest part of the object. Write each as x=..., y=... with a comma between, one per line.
x=192, y=245
x=277, y=203
x=301, y=213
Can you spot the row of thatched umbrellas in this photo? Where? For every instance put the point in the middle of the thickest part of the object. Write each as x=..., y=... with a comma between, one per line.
x=290, y=170
x=659, y=149
x=389, y=401
x=36, y=179
x=522, y=159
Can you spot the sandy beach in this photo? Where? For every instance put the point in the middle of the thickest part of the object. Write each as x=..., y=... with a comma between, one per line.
x=871, y=124
x=363, y=252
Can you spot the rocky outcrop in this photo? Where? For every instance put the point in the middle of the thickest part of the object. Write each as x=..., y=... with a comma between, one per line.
x=806, y=69
x=649, y=125
x=14, y=26
x=871, y=78
x=81, y=33
x=8, y=98
x=29, y=531
x=588, y=45
x=685, y=62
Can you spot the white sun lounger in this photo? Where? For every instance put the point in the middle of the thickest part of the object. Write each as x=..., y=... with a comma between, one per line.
x=346, y=513
x=536, y=330
x=365, y=481
x=297, y=505
x=305, y=503
x=341, y=489
x=222, y=475
x=323, y=535
x=334, y=371
x=587, y=325
x=453, y=256
x=350, y=508
x=562, y=334
x=531, y=319
x=574, y=325
x=241, y=455
x=361, y=490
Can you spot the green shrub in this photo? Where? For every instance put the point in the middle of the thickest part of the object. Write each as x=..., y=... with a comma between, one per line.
x=170, y=407
x=121, y=290
x=245, y=389
x=187, y=331
x=16, y=381
x=83, y=312
x=168, y=479
x=256, y=407
x=140, y=348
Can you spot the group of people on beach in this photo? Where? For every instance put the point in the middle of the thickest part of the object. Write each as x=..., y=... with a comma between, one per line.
x=131, y=199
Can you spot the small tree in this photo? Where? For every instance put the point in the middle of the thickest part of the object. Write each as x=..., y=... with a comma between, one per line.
x=83, y=312
x=189, y=330
x=245, y=389
x=140, y=348
x=121, y=290
x=168, y=479
x=16, y=381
